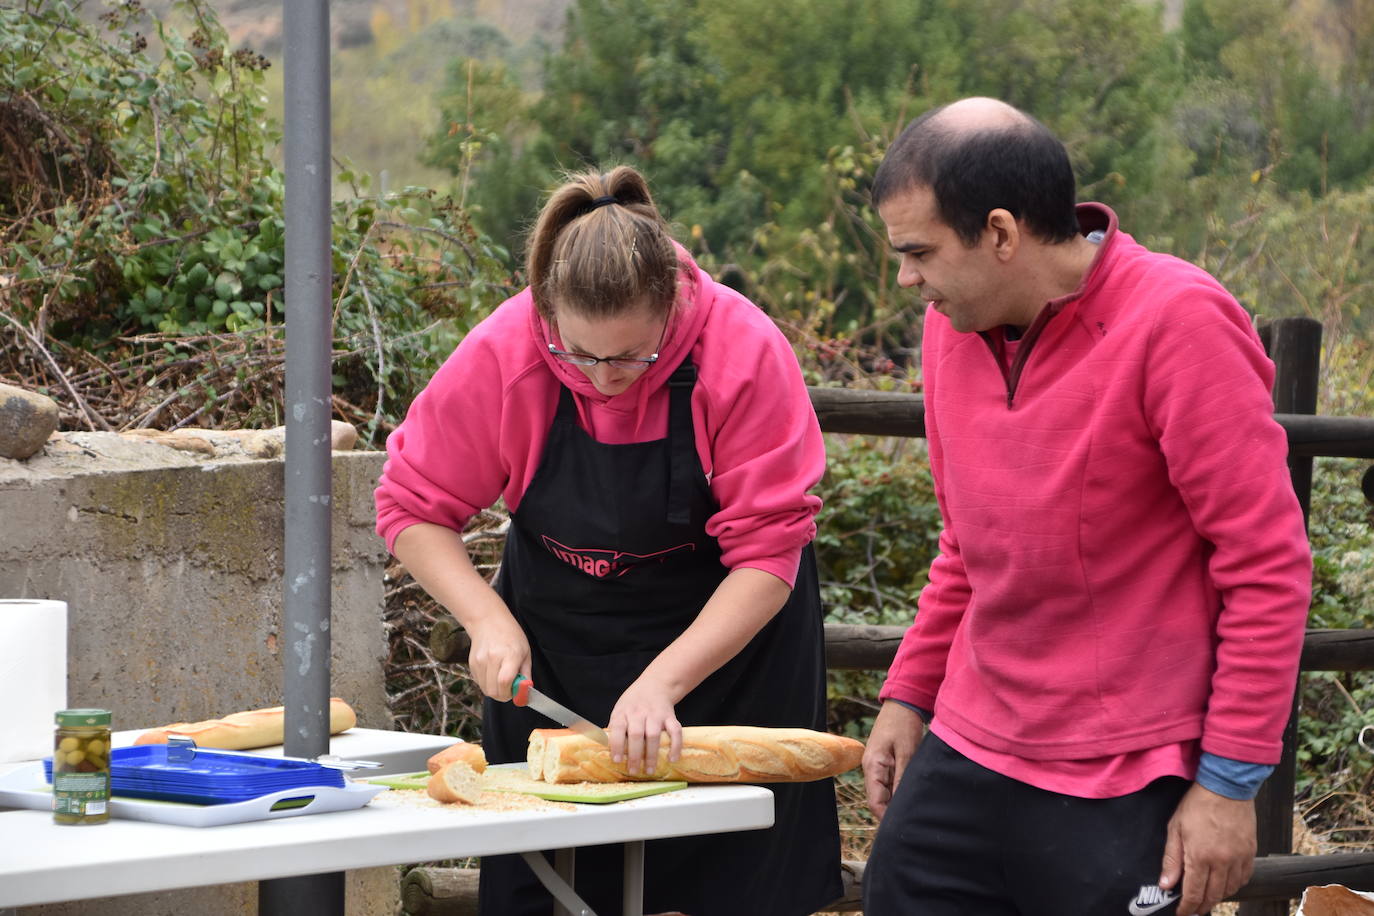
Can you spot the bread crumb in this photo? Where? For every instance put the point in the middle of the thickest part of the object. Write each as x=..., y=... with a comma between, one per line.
x=513, y=781
x=489, y=801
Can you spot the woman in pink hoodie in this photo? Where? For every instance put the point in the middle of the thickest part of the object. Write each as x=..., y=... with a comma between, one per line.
x=651, y=435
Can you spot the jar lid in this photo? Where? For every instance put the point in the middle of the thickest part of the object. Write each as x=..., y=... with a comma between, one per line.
x=86, y=717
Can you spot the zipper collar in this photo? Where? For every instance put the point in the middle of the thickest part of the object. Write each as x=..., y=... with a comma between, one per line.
x=1091, y=217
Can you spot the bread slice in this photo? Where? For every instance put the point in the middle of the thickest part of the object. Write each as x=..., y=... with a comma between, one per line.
x=471, y=754
x=710, y=753
x=539, y=738
x=455, y=783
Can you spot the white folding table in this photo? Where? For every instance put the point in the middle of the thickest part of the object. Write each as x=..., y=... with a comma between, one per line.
x=42, y=862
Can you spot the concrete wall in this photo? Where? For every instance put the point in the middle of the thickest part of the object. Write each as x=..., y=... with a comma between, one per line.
x=171, y=566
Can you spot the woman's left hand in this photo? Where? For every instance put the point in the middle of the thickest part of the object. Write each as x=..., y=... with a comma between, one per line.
x=643, y=713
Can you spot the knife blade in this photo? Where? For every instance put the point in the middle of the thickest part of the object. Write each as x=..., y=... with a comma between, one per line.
x=524, y=694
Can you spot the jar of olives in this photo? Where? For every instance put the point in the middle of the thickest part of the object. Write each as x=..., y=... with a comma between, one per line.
x=81, y=767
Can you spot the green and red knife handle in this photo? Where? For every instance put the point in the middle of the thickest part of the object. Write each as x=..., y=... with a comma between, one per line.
x=520, y=690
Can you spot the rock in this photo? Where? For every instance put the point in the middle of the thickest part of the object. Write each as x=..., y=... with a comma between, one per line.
x=265, y=443
x=185, y=440
x=271, y=443
x=342, y=436
x=249, y=443
x=27, y=419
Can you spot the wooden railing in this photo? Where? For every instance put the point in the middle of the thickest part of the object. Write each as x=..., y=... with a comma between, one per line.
x=1295, y=345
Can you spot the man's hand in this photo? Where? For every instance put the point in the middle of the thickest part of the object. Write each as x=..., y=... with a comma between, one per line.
x=896, y=733
x=1211, y=844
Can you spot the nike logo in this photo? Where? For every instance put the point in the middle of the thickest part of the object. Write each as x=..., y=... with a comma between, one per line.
x=1151, y=899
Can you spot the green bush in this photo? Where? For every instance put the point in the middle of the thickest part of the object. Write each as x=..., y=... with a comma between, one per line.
x=876, y=537
x=143, y=215
x=1334, y=772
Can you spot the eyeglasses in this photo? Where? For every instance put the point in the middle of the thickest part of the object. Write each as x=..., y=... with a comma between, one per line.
x=624, y=363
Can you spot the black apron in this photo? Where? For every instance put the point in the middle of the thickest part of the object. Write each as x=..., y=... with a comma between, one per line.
x=606, y=563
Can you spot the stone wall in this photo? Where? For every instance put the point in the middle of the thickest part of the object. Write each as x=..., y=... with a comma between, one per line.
x=170, y=562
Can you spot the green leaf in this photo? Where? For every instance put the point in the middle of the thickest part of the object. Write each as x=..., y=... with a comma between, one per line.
x=228, y=285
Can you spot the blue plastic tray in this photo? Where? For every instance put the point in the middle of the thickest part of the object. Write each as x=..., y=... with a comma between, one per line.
x=210, y=777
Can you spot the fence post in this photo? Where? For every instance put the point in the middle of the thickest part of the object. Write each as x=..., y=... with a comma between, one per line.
x=1294, y=344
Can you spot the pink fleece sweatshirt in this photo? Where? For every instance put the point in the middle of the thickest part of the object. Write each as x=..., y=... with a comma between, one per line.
x=477, y=430
x=1124, y=568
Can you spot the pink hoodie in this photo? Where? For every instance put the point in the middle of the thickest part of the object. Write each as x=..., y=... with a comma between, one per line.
x=477, y=431
x=1124, y=564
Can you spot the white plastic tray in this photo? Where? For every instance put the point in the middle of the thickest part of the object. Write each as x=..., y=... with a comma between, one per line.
x=25, y=787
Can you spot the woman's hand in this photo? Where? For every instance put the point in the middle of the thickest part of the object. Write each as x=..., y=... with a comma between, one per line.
x=741, y=605
x=499, y=652
x=641, y=715
x=437, y=558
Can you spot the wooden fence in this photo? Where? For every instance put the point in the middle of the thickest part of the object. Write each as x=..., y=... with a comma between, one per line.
x=1295, y=346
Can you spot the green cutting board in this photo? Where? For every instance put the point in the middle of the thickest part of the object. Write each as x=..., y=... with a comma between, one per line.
x=401, y=781
x=510, y=777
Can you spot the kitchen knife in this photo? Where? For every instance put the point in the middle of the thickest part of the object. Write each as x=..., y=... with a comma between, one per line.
x=523, y=694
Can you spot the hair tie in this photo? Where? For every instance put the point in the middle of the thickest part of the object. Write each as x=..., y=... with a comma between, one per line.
x=602, y=201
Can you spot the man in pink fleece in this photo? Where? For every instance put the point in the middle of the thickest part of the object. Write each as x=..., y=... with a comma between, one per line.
x=1107, y=650
x=652, y=437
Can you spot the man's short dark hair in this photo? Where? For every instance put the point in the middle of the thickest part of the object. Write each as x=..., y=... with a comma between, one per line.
x=1021, y=167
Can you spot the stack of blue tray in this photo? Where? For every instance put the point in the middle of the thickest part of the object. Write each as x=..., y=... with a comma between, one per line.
x=209, y=777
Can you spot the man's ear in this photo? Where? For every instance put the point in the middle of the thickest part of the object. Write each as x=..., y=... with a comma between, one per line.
x=1005, y=233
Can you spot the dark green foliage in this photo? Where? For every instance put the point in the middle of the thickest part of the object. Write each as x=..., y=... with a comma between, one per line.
x=1311, y=125
x=876, y=536
x=1334, y=771
x=732, y=108
x=140, y=205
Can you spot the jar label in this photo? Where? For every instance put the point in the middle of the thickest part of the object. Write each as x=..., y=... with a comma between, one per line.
x=80, y=793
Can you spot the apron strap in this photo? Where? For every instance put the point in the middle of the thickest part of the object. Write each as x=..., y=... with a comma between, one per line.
x=682, y=443
x=566, y=415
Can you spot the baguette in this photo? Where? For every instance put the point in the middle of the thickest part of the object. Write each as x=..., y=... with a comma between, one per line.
x=710, y=753
x=471, y=754
x=243, y=730
x=455, y=783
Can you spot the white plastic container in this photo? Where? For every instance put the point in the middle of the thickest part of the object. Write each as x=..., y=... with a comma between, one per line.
x=33, y=675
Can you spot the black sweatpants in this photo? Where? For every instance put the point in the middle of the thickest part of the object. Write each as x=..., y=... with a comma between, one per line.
x=961, y=840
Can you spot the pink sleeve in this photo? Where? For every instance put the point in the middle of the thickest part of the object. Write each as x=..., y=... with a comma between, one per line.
x=919, y=667
x=766, y=449
x=1209, y=405
x=444, y=461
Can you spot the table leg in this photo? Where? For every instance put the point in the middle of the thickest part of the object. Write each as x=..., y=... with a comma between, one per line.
x=565, y=864
x=302, y=895
x=633, y=901
x=568, y=901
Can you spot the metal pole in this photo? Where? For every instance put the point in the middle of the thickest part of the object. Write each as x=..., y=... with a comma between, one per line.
x=306, y=557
